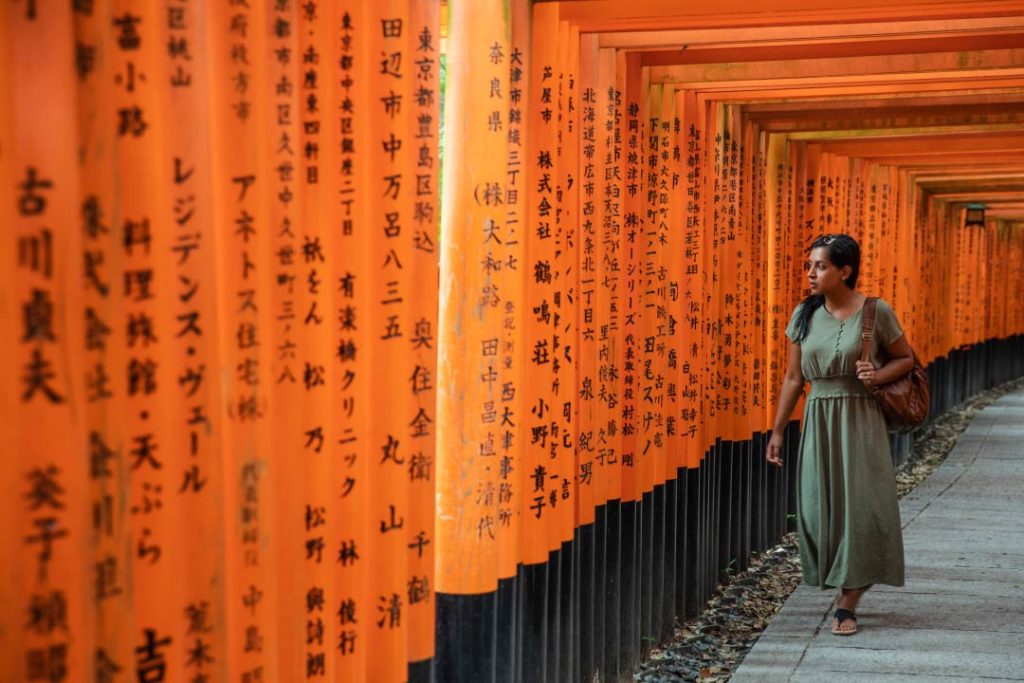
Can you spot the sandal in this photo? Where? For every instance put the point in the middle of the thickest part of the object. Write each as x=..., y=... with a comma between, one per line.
x=842, y=615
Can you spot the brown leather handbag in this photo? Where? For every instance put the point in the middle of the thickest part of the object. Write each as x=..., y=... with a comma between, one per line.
x=904, y=401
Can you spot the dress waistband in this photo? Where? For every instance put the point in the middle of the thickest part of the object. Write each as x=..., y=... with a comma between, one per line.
x=837, y=386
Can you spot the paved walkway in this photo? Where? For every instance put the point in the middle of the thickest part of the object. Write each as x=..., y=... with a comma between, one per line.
x=960, y=616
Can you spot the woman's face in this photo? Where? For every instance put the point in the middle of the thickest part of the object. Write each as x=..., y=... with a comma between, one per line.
x=823, y=275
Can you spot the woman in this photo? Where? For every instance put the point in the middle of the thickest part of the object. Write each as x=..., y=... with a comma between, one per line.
x=848, y=518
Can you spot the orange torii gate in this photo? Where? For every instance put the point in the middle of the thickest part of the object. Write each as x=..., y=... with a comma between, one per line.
x=630, y=544
x=266, y=422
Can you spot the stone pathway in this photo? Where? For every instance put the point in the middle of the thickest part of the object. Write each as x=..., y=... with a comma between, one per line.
x=960, y=616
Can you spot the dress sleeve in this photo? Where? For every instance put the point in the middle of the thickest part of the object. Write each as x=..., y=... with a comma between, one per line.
x=887, y=327
x=793, y=319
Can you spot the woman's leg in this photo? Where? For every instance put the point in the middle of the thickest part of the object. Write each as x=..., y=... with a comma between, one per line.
x=848, y=599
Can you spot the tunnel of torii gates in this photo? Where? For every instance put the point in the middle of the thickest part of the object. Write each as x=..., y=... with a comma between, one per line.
x=282, y=401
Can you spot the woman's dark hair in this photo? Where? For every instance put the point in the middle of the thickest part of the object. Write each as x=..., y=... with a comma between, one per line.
x=843, y=250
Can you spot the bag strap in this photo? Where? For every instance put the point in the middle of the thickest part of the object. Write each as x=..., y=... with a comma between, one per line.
x=867, y=325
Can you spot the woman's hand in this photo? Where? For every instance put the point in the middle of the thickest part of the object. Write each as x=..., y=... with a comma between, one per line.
x=773, y=454
x=867, y=373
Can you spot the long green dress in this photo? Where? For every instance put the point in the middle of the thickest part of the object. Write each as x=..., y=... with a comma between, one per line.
x=848, y=518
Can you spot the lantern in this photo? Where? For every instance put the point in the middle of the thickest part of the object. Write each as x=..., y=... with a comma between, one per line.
x=975, y=215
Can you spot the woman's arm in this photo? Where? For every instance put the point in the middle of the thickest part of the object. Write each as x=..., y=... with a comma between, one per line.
x=792, y=387
x=901, y=362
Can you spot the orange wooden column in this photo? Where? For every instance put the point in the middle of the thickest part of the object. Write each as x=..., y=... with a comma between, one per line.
x=1015, y=286
x=424, y=95
x=477, y=274
x=612, y=285
x=887, y=234
x=673, y=212
x=745, y=247
x=777, y=255
x=600, y=273
x=353, y=455
x=661, y=229
x=717, y=277
x=103, y=311
x=590, y=317
x=396, y=425
x=479, y=351
x=156, y=460
x=272, y=487
x=310, y=597
x=46, y=632
x=241, y=243
x=630, y=360
x=730, y=275
x=959, y=298
x=511, y=282
x=541, y=411
x=869, y=231
x=692, y=282
x=196, y=483
x=941, y=298
x=760, y=235
x=12, y=641
x=567, y=288
x=649, y=439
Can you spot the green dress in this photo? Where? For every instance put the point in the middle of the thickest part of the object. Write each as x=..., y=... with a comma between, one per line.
x=848, y=517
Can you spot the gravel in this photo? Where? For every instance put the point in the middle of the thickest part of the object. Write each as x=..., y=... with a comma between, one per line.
x=710, y=647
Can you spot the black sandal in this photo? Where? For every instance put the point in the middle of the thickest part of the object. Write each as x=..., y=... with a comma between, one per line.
x=842, y=615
